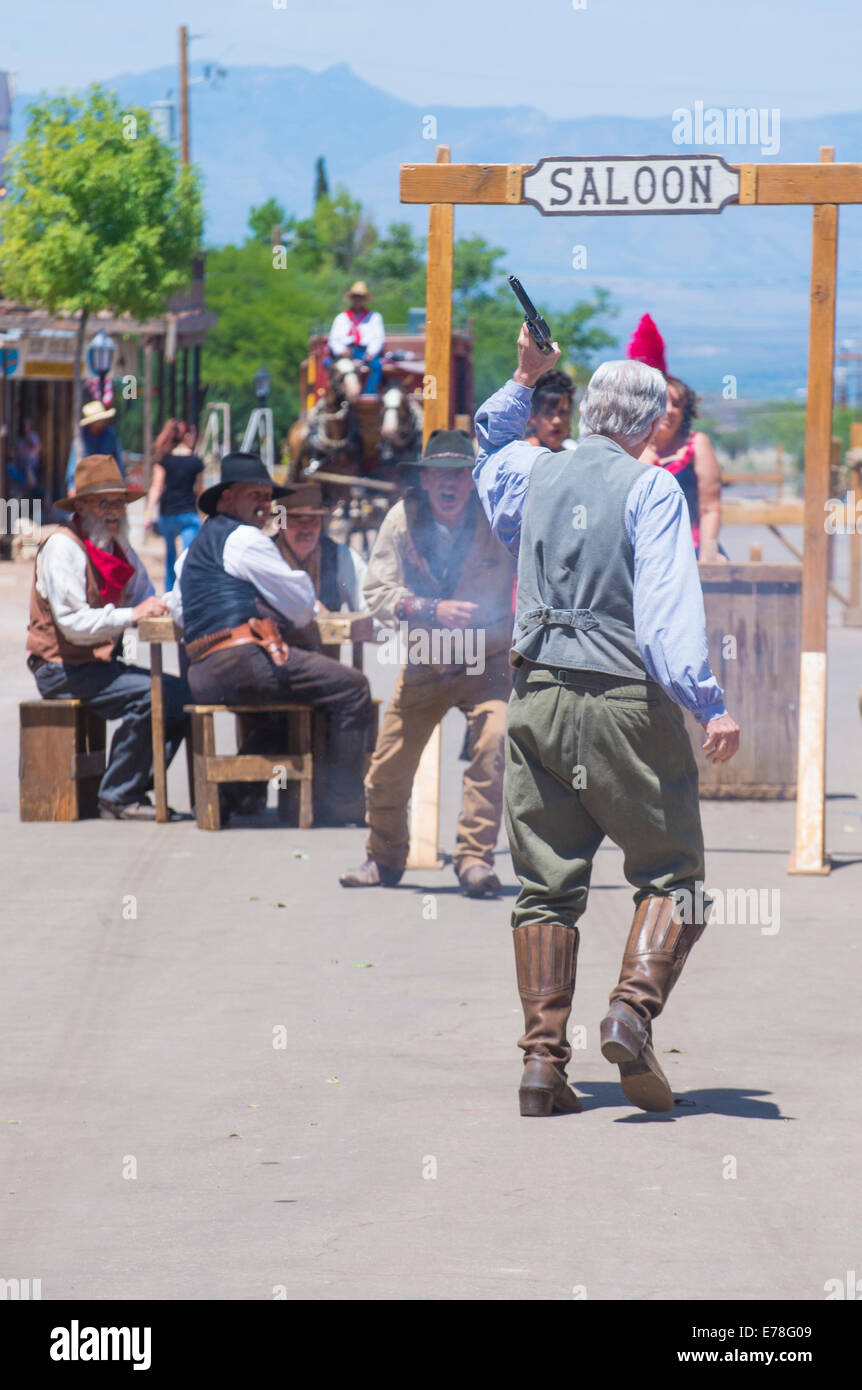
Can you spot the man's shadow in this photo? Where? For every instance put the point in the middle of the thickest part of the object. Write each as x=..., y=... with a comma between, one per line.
x=741, y=1102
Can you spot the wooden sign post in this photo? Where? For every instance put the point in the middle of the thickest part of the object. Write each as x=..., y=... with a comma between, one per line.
x=423, y=852
x=690, y=184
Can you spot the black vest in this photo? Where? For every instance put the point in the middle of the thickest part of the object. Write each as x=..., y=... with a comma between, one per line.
x=212, y=598
x=329, y=594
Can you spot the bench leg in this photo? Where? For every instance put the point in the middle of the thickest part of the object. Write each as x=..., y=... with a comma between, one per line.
x=296, y=801
x=207, y=810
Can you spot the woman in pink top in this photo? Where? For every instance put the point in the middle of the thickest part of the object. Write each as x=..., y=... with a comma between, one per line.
x=684, y=452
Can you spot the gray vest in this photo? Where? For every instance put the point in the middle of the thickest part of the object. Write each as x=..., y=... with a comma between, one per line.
x=576, y=564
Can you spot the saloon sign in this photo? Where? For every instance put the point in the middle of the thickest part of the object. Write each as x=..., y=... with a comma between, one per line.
x=561, y=187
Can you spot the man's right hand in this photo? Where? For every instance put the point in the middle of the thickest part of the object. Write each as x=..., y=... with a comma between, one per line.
x=453, y=613
x=532, y=362
x=722, y=739
x=150, y=608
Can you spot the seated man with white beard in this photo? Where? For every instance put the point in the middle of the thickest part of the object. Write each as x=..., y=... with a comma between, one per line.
x=88, y=587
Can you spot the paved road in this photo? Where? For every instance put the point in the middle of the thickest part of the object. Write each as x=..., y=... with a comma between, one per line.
x=152, y=972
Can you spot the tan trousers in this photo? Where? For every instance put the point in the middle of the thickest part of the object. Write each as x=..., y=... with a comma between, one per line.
x=418, y=704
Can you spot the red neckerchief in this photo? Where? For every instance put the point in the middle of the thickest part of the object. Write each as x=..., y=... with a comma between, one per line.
x=356, y=316
x=113, y=571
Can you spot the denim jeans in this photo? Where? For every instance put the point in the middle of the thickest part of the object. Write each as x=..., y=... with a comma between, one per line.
x=122, y=692
x=185, y=525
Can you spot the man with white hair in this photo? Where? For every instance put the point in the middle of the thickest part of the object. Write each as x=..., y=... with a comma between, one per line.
x=89, y=586
x=609, y=641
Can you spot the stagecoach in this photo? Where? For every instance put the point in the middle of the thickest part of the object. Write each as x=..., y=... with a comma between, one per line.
x=358, y=445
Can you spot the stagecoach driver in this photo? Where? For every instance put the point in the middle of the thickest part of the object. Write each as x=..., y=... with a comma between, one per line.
x=358, y=332
x=609, y=643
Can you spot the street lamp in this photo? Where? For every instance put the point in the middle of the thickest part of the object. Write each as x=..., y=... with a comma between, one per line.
x=100, y=357
x=262, y=383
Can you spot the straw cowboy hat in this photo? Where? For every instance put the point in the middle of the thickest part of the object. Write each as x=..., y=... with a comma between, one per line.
x=94, y=474
x=358, y=287
x=94, y=410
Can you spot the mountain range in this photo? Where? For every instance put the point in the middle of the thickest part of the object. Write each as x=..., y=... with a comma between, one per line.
x=729, y=292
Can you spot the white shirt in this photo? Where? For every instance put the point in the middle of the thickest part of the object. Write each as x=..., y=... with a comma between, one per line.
x=61, y=578
x=371, y=334
x=250, y=555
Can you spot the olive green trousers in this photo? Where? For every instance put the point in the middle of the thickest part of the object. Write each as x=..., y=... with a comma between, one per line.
x=590, y=755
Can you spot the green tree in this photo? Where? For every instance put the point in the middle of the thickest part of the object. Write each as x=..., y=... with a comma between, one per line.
x=336, y=234
x=397, y=257
x=100, y=215
x=474, y=266
x=321, y=182
x=265, y=216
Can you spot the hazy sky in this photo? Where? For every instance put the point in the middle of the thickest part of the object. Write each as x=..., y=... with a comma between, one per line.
x=625, y=57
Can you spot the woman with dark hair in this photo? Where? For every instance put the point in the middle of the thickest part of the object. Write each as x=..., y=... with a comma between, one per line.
x=685, y=452
x=176, y=485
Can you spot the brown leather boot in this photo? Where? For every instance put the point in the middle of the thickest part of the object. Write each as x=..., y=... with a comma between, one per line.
x=546, y=956
x=655, y=953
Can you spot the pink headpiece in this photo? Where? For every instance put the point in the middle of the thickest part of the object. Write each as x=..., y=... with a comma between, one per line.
x=647, y=345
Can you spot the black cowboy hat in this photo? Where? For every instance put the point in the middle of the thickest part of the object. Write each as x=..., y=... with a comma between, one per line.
x=238, y=468
x=446, y=449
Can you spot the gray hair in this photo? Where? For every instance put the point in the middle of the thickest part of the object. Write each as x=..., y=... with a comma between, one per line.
x=623, y=399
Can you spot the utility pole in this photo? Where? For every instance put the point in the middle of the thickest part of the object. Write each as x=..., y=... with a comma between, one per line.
x=184, y=94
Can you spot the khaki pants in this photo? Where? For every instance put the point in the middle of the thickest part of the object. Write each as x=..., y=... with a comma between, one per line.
x=594, y=755
x=421, y=698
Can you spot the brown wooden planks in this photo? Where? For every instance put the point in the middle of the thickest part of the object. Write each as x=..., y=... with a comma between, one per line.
x=758, y=606
x=809, y=183
x=462, y=183
x=438, y=313
x=759, y=183
x=62, y=760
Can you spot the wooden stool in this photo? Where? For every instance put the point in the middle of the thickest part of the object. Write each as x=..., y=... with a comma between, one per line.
x=62, y=760
x=210, y=769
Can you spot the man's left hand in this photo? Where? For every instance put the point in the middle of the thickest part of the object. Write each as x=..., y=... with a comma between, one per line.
x=532, y=362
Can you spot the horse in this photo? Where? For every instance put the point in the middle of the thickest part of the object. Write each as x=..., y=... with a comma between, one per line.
x=400, y=428
x=328, y=438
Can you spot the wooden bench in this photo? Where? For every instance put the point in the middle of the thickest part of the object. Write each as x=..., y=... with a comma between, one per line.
x=295, y=764
x=62, y=760
x=303, y=797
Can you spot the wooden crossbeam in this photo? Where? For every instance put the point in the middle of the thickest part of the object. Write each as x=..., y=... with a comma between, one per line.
x=660, y=188
x=759, y=183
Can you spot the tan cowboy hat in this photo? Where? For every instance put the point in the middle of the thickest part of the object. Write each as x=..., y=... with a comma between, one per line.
x=98, y=473
x=94, y=410
x=305, y=499
x=358, y=287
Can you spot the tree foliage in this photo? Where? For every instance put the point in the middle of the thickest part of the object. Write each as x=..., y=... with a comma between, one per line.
x=263, y=218
x=100, y=214
x=266, y=314
x=321, y=182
